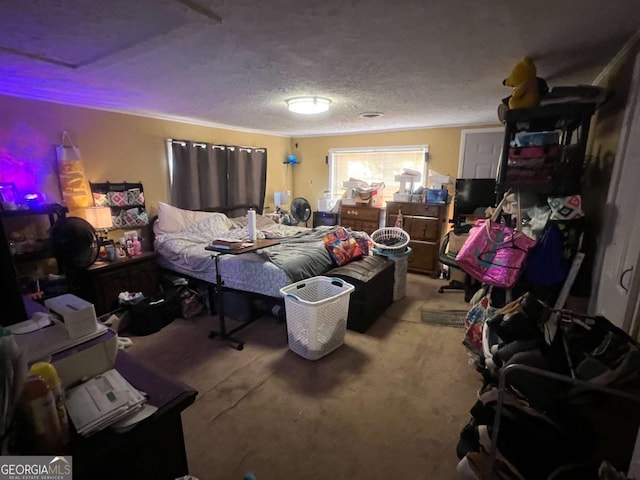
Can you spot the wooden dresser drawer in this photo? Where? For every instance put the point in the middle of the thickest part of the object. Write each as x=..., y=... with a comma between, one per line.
x=360, y=226
x=424, y=210
x=349, y=212
x=394, y=207
x=352, y=224
x=424, y=256
x=370, y=227
x=421, y=228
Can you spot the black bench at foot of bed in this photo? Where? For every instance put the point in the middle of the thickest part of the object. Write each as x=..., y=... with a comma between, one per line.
x=373, y=278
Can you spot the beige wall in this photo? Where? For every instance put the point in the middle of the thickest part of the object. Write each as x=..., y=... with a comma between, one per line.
x=119, y=147
x=116, y=147
x=311, y=176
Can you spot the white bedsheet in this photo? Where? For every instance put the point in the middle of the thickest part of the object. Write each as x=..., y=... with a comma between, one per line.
x=184, y=252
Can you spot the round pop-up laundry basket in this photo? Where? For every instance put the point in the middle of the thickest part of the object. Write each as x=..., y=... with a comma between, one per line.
x=391, y=240
x=317, y=309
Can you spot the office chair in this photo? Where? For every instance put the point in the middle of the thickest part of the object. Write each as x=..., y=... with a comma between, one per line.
x=447, y=256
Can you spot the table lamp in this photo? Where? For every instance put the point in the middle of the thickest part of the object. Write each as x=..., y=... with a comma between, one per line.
x=280, y=198
x=100, y=219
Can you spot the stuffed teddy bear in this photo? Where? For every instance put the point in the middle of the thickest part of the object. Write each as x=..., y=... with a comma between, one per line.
x=525, y=85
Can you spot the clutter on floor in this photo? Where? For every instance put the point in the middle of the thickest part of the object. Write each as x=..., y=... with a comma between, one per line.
x=563, y=385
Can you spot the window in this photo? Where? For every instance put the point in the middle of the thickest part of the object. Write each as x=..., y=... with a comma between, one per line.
x=375, y=165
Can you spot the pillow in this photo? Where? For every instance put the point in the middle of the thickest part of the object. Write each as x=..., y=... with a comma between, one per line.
x=341, y=246
x=565, y=208
x=262, y=221
x=173, y=219
x=100, y=199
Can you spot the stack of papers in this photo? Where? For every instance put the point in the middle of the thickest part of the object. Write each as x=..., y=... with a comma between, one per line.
x=102, y=401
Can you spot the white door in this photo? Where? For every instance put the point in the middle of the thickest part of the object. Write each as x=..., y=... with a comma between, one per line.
x=480, y=152
x=618, y=283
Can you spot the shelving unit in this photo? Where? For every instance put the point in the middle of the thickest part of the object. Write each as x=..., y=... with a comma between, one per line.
x=13, y=306
x=559, y=176
x=126, y=201
x=571, y=121
x=53, y=211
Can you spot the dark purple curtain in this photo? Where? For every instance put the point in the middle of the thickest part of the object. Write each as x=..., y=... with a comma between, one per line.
x=207, y=176
x=247, y=176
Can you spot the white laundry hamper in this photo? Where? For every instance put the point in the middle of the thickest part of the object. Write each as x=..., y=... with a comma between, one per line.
x=317, y=309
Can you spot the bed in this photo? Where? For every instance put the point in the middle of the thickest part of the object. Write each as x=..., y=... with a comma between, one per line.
x=182, y=235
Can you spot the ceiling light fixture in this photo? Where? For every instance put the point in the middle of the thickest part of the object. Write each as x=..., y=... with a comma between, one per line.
x=308, y=105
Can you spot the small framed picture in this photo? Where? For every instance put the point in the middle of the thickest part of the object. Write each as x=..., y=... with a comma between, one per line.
x=8, y=192
x=8, y=195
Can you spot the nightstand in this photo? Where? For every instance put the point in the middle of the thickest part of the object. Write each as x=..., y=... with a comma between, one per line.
x=325, y=218
x=102, y=282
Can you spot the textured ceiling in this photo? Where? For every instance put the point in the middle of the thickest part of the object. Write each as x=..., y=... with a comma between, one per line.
x=421, y=63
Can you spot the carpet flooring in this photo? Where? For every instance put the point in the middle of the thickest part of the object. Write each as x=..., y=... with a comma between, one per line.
x=388, y=404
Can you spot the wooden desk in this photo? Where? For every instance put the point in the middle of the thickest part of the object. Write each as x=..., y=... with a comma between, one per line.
x=154, y=449
x=223, y=334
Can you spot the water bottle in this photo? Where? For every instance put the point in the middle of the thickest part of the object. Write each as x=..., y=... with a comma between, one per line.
x=137, y=246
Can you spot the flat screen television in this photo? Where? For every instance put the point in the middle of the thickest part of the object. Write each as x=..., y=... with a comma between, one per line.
x=473, y=196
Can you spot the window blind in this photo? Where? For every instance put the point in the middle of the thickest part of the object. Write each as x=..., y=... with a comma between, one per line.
x=374, y=165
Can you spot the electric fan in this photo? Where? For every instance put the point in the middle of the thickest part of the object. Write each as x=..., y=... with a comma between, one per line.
x=301, y=210
x=74, y=243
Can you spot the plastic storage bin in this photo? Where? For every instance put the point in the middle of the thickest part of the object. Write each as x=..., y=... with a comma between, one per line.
x=437, y=195
x=317, y=309
x=401, y=267
x=151, y=314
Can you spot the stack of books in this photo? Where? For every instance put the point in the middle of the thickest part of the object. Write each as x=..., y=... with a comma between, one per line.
x=229, y=244
x=101, y=402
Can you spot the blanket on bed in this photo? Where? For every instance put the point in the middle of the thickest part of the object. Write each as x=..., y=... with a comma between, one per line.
x=301, y=253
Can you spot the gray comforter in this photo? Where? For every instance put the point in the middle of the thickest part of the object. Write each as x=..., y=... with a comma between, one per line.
x=302, y=255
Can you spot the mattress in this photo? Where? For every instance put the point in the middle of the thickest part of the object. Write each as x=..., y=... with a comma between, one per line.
x=300, y=254
x=247, y=272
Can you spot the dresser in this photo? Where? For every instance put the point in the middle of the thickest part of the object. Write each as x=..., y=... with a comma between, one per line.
x=360, y=217
x=102, y=282
x=426, y=224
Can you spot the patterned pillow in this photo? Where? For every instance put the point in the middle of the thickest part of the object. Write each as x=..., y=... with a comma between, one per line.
x=565, y=208
x=173, y=219
x=135, y=197
x=118, y=220
x=133, y=217
x=117, y=199
x=100, y=199
x=341, y=246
